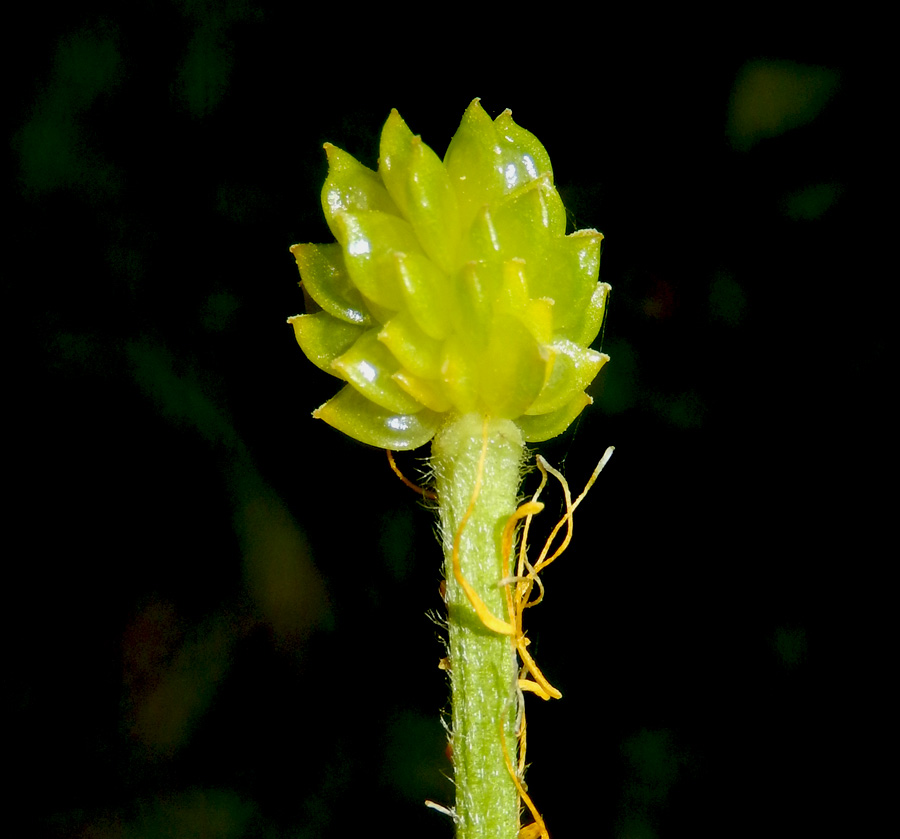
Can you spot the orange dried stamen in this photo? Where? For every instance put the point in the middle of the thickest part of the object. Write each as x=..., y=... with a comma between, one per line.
x=529, y=831
x=396, y=469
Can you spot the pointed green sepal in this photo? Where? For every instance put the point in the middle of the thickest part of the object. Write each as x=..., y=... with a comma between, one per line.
x=362, y=420
x=416, y=179
x=324, y=338
x=412, y=348
x=523, y=149
x=369, y=365
x=574, y=368
x=475, y=163
x=542, y=427
x=569, y=278
x=370, y=242
x=425, y=391
x=428, y=294
x=595, y=314
x=352, y=188
x=327, y=281
x=513, y=369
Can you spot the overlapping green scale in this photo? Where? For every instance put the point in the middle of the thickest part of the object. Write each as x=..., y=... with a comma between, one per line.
x=452, y=287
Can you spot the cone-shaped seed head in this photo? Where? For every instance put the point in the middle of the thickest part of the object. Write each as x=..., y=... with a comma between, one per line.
x=452, y=287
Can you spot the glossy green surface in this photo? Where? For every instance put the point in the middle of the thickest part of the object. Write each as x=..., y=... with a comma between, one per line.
x=452, y=288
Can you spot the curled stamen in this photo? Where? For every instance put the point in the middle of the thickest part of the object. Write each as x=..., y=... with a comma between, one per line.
x=528, y=831
x=525, y=511
x=543, y=560
x=396, y=469
x=520, y=586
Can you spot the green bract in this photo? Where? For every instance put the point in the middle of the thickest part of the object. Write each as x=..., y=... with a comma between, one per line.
x=452, y=287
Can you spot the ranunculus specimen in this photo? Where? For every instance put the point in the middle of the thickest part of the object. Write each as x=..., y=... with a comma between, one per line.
x=452, y=287
x=456, y=310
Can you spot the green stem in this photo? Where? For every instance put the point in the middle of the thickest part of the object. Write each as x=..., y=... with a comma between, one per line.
x=483, y=665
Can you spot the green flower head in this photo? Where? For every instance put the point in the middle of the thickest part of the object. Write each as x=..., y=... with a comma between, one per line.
x=452, y=287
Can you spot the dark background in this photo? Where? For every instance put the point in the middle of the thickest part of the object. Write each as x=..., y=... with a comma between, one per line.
x=219, y=605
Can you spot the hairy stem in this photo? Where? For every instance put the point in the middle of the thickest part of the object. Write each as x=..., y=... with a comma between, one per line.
x=483, y=664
